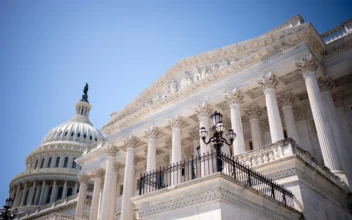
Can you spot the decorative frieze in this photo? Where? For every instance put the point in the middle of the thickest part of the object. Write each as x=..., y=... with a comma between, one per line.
x=253, y=111
x=234, y=96
x=173, y=87
x=176, y=121
x=268, y=81
x=307, y=64
x=186, y=81
x=286, y=99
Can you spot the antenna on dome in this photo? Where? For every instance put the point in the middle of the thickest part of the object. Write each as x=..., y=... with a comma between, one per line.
x=85, y=94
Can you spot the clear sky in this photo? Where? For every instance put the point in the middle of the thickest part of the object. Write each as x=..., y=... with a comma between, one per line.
x=50, y=49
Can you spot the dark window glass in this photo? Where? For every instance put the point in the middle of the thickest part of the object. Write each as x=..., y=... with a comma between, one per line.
x=42, y=163
x=72, y=133
x=36, y=164
x=79, y=134
x=250, y=145
x=74, y=163
x=49, y=162
x=59, y=193
x=85, y=136
x=66, y=162
x=66, y=133
x=121, y=189
x=90, y=137
x=57, y=162
x=69, y=192
x=96, y=139
x=49, y=195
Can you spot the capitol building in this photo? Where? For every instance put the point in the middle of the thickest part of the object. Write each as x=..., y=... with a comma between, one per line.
x=260, y=129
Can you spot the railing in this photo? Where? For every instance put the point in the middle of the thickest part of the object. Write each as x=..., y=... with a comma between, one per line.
x=205, y=165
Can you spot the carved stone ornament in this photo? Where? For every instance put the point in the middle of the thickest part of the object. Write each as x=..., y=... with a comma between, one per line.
x=152, y=132
x=83, y=178
x=268, y=81
x=338, y=99
x=234, y=96
x=307, y=64
x=203, y=110
x=156, y=98
x=176, y=121
x=99, y=173
x=265, y=125
x=253, y=111
x=326, y=84
x=111, y=150
x=224, y=63
x=299, y=113
x=286, y=99
x=173, y=86
x=131, y=141
x=196, y=75
x=186, y=81
x=117, y=166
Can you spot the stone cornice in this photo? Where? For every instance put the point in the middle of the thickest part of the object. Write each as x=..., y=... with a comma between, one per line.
x=302, y=34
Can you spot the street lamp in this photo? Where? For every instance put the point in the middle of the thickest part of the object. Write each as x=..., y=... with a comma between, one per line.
x=217, y=138
x=6, y=213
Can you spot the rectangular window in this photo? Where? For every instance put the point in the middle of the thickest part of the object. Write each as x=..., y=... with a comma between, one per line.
x=49, y=162
x=65, y=162
x=57, y=162
x=42, y=163
x=73, y=163
x=121, y=189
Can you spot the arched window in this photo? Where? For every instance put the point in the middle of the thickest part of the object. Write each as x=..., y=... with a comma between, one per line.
x=59, y=193
x=74, y=163
x=57, y=162
x=42, y=163
x=36, y=164
x=65, y=162
x=49, y=162
x=69, y=192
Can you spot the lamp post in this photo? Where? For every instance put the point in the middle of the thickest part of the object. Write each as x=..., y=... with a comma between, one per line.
x=217, y=138
x=6, y=213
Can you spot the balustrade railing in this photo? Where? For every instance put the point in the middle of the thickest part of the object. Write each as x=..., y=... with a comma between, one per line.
x=333, y=34
x=205, y=165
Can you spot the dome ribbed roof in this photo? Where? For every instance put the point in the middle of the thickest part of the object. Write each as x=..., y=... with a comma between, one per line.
x=81, y=131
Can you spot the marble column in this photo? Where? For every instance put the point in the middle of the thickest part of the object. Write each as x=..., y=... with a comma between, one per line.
x=37, y=194
x=152, y=134
x=53, y=192
x=115, y=177
x=31, y=195
x=325, y=135
x=83, y=180
x=110, y=151
x=17, y=198
x=75, y=188
x=268, y=83
x=234, y=98
x=46, y=194
x=98, y=178
x=128, y=182
x=23, y=194
x=176, y=123
x=265, y=128
x=253, y=112
x=326, y=84
x=64, y=190
x=286, y=101
x=42, y=191
x=203, y=113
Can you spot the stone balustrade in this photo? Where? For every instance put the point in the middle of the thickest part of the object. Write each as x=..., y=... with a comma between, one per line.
x=284, y=149
x=46, y=170
x=337, y=32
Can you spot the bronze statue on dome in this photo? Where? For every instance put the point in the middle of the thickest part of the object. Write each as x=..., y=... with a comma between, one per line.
x=85, y=94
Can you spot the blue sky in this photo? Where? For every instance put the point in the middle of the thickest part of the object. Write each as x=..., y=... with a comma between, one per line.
x=50, y=49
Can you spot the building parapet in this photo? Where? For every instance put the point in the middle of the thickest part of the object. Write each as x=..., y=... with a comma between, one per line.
x=337, y=32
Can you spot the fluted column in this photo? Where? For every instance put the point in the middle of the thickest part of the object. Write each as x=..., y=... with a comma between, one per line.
x=53, y=192
x=326, y=84
x=176, y=123
x=111, y=151
x=203, y=113
x=30, y=202
x=115, y=177
x=286, y=100
x=75, y=188
x=23, y=194
x=42, y=191
x=234, y=98
x=253, y=113
x=151, y=133
x=83, y=180
x=17, y=198
x=36, y=197
x=268, y=83
x=128, y=182
x=98, y=178
x=64, y=190
x=325, y=134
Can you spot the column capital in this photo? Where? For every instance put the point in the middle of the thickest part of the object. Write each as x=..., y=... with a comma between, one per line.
x=117, y=166
x=111, y=150
x=234, y=96
x=286, y=99
x=99, y=173
x=131, y=141
x=152, y=132
x=268, y=81
x=338, y=99
x=265, y=125
x=83, y=178
x=176, y=121
x=307, y=64
x=253, y=111
x=203, y=110
x=326, y=84
x=299, y=113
